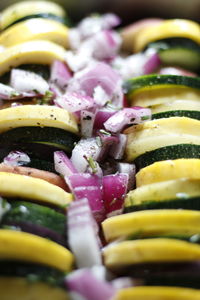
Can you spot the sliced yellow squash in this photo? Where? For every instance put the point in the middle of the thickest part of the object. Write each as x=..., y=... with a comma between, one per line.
x=157, y=293
x=25, y=8
x=31, y=52
x=166, y=190
x=21, y=289
x=159, y=133
x=161, y=94
x=22, y=246
x=37, y=115
x=168, y=29
x=151, y=223
x=35, y=189
x=169, y=169
x=150, y=251
x=35, y=29
x=176, y=105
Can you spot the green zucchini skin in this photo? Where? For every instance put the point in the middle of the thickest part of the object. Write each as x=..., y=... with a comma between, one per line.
x=168, y=152
x=36, y=219
x=65, y=21
x=179, y=203
x=137, y=83
x=177, y=113
x=32, y=272
x=181, y=52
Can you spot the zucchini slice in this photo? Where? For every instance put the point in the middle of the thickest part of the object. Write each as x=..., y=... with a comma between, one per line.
x=176, y=28
x=21, y=289
x=177, y=113
x=152, y=223
x=157, y=293
x=26, y=247
x=23, y=9
x=155, y=250
x=35, y=29
x=35, y=189
x=168, y=152
x=176, y=105
x=155, y=134
x=169, y=170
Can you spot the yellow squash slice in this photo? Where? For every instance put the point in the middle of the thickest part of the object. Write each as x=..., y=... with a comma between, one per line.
x=35, y=29
x=26, y=8
x=37, y=115
x=35, y=189
x=157, y=293
x=151, y=223
x=159, y=133
x=31, y=52
x=150, y=251
x=169, y=169
x=168, y=29
x=22, y=246
x=166, y=190
x=21, y=289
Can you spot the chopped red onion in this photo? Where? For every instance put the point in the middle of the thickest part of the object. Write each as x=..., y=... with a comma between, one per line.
x=9, y=93
x=123, y=282
x=152, y=63
x=63, y=164
x=106, y=140
x=102, y=116
x=87, y=285
x=88, y=186
x=87, y=123
x=14, y=104
x=74, y=102
x=127, y=116
x=114, y=191
x=83, y=234
x=100, y=96
x=130, y=170
x=74, y=38
x=111, y=20
x=25, y=81
x=117, y=150
x=85, y=149
x=176, y=71
x=17, y=158
x=60, y=74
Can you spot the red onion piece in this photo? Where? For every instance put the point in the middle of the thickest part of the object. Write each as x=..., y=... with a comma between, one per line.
x=122, y=282
x=60, y=74
x=106, y=140
x=25, y=81
x=111, y=20
x=9, y=93
x=102, y=116
x=88, y=186
x=63, y=164
x=83, y=234
x=117, y=150
x=152, y=63
x=127, y=116
x=100, y=96
x=114, y=191
x=130, y=170
x=87, y=285
x=17, y=158
x=74, y=102
x=176, y=71
x=87, y=123
x=85, y=149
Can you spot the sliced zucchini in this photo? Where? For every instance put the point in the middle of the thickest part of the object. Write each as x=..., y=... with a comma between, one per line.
x=23, y=9
x=155, y=250
x=21, y=289
x=178, y=113
x=168, y=152
x=175, y=105
x=160, y=133
x=176, y=28
x=179, y=52
x=151, y=223
x=26, y=247
x=31, y=52
x=157, y=293
x=35, y=189
x=35, y=29
x=37, y=115
x=169, y=170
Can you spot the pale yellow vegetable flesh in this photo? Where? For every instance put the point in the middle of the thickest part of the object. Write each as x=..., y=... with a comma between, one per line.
x=22, y=246
x=35, y=189
x=176, y=105
x=151, y=223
